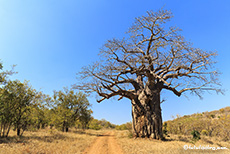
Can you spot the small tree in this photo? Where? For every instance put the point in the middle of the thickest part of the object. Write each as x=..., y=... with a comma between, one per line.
x=17, y=99
x=70, y=107
x=6, y=112
x=38, y=117
x=85, y=119
x=150, y=59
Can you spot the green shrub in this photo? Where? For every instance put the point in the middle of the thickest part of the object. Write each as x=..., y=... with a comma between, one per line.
x=95, y=127
x=165, y=131
x=195, y=135
x=212, y=116
x=95, y=124
x=126, y=126
x=204, y=132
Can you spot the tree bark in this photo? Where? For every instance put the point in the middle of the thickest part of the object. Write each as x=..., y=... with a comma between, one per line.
x=7, y=133
x=147, y=122
x=18, y=131
x=43, y=126
x=63, y=127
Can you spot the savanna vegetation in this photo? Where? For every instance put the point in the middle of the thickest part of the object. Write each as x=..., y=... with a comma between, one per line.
x=204, y=130
x=24, y=108
x=49, y=141
x=32, y=122
x=172, y=145
x=139, y=67
x=212, y=124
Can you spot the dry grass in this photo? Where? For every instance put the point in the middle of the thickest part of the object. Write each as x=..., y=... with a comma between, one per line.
x=48, y=142
x=173, y=145
x=74, y=142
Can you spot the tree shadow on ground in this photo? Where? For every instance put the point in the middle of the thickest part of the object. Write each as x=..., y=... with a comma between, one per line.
x=187, y=140
x=11, y=139
x=26, y=139
x=207, y=141
x=180, y=138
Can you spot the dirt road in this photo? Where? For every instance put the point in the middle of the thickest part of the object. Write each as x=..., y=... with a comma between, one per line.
x=104, y=144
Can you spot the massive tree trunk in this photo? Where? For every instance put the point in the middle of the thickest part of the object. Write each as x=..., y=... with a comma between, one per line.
x=146, y=114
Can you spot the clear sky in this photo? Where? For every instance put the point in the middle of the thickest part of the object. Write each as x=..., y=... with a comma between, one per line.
x=50, y=41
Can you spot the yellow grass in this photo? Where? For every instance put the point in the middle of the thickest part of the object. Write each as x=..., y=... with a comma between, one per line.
x=174, y=145
x=48, y=142
x=75, y=142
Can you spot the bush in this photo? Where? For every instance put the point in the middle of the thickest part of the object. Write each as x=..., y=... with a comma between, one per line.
x=95, y=124
x=195, y=134
x=204, y=132
x=126, y=126
x=212, y=116
x=165, y=131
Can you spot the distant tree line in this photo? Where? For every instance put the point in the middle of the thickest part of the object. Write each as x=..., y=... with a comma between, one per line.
x=126, y=126
x=98, y=124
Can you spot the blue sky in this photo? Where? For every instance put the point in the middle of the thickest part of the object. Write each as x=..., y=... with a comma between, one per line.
x=50, y=41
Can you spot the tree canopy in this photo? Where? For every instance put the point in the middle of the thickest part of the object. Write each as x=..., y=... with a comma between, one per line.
x=70, y=107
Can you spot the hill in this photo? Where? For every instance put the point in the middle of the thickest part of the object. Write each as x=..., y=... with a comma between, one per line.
x=215, y=123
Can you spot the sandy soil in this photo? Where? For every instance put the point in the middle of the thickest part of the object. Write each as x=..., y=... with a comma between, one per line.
x=104, y=144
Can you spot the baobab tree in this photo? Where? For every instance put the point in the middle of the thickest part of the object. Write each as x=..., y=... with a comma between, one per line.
x=150, y=59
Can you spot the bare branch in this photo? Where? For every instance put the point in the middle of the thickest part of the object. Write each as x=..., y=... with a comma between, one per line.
x=150, y=57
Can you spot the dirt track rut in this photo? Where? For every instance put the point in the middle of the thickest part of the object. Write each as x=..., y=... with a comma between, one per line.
x=104, y=144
